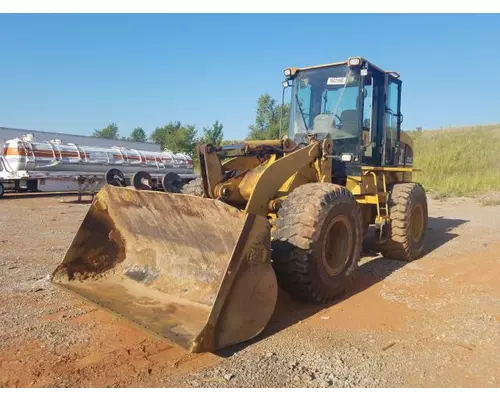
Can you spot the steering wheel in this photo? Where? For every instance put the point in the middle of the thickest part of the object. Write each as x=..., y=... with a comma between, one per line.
x=340, y=121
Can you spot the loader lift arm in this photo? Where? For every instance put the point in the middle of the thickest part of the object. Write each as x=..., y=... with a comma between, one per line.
x=262, y=182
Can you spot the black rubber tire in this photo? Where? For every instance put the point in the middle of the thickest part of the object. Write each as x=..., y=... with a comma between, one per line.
x=115, y=177
x=194, y=187
x=138, y=180
x=298, y=245
x=404, y=201
x=171, y=183
x=2, y=190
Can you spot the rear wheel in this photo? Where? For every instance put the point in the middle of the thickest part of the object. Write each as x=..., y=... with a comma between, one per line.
x=317, y=242
x=194, y=188
x=408, y=212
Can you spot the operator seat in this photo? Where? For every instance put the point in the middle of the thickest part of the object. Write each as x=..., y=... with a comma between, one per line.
x=323, y=123
x=350, y=121
x=327, y=122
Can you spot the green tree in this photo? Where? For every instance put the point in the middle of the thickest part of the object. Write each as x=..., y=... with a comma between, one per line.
x=138, y=135
x=109, y=132
x=176, y=137
x=214, y=134
x=267, y=120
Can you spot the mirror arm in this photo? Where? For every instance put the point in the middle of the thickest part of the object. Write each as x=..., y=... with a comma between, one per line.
x=282, y=107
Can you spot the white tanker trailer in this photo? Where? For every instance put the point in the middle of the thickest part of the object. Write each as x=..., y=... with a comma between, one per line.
x=26, y=164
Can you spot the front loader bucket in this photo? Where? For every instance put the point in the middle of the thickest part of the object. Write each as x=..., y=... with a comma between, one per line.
x=193, y=270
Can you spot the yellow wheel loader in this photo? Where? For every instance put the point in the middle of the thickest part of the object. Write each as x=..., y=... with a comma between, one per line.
x=202, y=268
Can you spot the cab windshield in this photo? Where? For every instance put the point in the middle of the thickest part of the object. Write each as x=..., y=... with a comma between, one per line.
x=325, y=102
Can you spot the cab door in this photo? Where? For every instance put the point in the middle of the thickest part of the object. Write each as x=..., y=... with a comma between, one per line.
x=392, y=120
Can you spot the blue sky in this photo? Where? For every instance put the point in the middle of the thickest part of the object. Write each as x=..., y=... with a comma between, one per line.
x=75, y=73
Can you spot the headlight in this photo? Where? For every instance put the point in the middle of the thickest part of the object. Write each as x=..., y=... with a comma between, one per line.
x=288, y=72
x=352, y=62
x=346, y=157
x=285, y=84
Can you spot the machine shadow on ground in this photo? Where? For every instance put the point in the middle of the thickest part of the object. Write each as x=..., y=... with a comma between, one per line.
x=288, y=312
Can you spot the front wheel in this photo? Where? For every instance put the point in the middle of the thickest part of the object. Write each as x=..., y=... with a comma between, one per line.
x=2, y=190
x=317, y=242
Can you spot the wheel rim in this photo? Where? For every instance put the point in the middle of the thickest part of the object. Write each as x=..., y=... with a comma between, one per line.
x=337, y=245
x=417, y=222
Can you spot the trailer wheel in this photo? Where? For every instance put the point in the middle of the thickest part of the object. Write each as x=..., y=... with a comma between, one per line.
x=2, y=190
x=115, y=177
x=172, y=183
x=142, y=180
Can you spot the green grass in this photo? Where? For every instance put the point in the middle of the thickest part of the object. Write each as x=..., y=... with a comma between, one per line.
x=458, y=161
x=462, y=161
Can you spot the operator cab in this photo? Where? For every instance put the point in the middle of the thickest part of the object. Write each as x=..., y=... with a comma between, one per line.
x=356, y=104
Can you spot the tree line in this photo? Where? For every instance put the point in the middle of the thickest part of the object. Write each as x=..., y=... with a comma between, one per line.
x=180, y=138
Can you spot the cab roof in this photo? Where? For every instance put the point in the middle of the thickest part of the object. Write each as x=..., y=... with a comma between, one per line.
x=362, y=61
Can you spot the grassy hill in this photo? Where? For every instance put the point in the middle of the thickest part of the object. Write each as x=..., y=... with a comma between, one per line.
x=458, y=161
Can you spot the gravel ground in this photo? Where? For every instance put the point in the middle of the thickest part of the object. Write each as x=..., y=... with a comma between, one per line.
x=433, y=322
x=313, y=358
